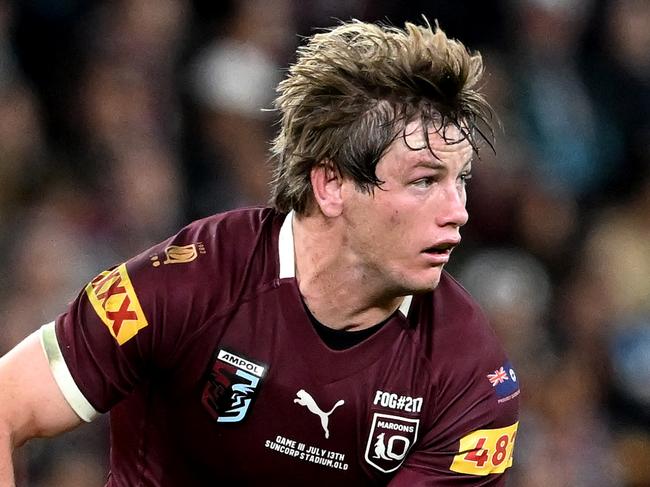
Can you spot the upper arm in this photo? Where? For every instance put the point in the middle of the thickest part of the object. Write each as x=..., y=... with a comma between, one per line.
x=31, y=402
x=470, y=438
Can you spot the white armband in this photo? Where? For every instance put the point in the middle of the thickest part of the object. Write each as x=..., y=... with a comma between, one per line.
x=62, y=375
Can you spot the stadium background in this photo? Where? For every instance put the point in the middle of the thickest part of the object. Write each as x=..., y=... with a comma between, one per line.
x=120, y=121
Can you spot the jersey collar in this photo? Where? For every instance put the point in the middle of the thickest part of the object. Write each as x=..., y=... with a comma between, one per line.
x=285, y=248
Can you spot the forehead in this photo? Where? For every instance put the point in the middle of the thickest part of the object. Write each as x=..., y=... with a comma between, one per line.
x=449, y=139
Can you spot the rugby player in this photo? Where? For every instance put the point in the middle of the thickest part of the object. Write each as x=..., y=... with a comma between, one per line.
x=315, y=342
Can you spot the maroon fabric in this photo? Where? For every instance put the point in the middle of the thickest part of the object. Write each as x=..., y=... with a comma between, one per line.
x=315, y=416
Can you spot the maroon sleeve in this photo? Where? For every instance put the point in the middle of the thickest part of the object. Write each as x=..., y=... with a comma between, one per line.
x=470, y=438
x=138, y=317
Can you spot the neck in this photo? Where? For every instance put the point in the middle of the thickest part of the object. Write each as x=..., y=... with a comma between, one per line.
x=337, y=288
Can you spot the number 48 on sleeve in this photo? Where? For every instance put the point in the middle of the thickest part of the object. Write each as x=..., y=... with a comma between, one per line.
x=486, y=451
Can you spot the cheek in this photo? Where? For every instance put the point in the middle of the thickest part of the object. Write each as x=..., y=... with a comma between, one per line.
x=395, y=218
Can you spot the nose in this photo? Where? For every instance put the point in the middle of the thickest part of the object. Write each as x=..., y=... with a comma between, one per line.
x=452, y=209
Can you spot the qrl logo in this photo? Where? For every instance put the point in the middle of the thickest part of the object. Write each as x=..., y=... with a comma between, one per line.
x=390, y=439
x=231, y=387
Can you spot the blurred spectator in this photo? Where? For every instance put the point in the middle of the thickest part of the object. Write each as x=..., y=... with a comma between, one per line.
x=117, y=104
x=22, y=151
x=633, y=452
x=618, y=249
x=53, y=253
x=503, y=168
x=548, y=224
x=8, y=62
x=560, y=421
x=623, y=82
x=576, y=145
x=141, y=196
x=514, y=290
x=144, y=33
x=233, y=79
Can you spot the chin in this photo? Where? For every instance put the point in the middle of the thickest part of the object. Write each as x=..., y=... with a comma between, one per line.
x=432, y=281
x=416, y=280
x=423, y=286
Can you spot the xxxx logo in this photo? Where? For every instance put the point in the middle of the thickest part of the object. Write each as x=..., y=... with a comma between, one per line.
x=115, y=302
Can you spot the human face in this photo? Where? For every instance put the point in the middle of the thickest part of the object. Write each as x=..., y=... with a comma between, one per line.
x=402, y=234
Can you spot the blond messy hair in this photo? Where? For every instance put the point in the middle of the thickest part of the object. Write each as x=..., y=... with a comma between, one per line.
x=353, y=89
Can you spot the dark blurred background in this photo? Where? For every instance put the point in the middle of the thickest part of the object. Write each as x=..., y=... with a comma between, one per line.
x=121, y=121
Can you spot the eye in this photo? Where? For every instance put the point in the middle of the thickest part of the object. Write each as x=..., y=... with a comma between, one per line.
x=424, y=182
x=465, y=177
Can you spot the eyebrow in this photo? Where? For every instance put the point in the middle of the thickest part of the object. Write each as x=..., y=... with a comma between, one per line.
x=430, y=163
x=437, y=165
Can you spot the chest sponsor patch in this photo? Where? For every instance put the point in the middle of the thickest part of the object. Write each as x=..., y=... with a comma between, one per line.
x=485, y=451
x=232, y=385
x=390, y=439
x=113, y=298
x=504, y=381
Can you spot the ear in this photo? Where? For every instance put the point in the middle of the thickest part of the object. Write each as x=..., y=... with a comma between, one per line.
x=326, y=181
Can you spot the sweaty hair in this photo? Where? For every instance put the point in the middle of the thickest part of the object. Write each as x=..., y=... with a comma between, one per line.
x=352, y=91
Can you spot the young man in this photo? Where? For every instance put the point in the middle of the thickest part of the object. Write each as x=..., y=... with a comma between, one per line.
x=316, y=343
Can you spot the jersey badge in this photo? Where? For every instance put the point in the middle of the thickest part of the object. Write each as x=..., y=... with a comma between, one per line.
x=178, y=254
x=305, y=399
x=232, y=386
x=113, y=298
x=504, y=382
x=390, y=439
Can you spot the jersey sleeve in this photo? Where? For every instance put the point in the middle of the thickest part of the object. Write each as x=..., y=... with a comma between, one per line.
x=470, y=437
x=129, y=322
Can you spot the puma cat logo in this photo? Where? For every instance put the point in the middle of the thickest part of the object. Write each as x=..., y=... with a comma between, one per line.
x=305, y=399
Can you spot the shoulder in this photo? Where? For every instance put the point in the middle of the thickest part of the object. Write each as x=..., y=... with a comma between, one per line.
x=457, y=340
x=218, y=244
x=229, y=229
x=215, y=259
x=474, y=385
x=459, y=319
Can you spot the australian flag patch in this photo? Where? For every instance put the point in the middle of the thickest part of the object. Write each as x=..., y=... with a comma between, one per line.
x=504, y=382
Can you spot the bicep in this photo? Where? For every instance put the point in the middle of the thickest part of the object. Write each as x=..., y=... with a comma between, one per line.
x=31, y=402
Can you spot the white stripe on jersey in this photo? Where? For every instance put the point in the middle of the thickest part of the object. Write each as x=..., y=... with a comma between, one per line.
x=62, y=375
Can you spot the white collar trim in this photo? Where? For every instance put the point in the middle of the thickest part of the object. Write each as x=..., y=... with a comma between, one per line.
x=406, y=305
x=286, y=249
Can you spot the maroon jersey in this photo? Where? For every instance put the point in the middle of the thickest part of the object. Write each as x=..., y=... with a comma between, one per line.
x=213, y=373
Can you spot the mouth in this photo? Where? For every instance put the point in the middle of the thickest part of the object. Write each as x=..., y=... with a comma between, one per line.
x=441, y=251
x=442, y=248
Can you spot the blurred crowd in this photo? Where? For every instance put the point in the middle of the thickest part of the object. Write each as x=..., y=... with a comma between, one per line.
x=121, y=121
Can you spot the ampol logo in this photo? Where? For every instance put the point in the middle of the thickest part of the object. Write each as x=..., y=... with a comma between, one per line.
x=231, y=387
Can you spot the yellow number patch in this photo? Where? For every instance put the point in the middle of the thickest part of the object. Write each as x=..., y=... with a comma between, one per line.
x=115, y=302
x=486, y=451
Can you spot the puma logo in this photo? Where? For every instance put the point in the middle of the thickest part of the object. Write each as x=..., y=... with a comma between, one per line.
x=305, y=399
